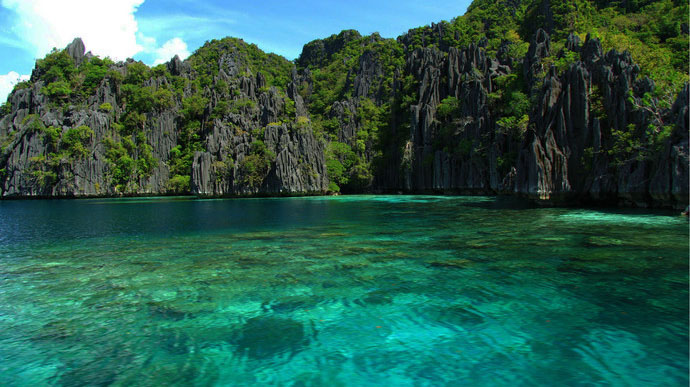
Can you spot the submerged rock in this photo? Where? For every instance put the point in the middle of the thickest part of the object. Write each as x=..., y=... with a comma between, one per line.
x=459, y=315
x=290, y=304
x=328, y=284
x=266, y=336
x=376, y=297
x=176, y=343
x=165, y=311
x=479, y=244
x=173, y=373
x=603, y=241
x=103, y=369
x=56, y=330
x=452, y=263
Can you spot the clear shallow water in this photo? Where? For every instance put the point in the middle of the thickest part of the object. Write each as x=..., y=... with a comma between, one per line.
x=361, y=290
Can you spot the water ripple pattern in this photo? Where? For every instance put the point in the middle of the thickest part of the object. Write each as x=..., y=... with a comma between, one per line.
x=350, y=290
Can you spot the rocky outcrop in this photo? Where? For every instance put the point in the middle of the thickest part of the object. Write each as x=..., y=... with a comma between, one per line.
x=298, y=167
x=319, y=52
x=567, y=154
x=23, y=159
x=36, y=160
x=76, y=50
x=581, y=131
x=458, y=155
x=294, y=158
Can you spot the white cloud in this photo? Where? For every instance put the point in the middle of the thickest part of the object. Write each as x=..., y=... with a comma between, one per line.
x=172, y=47
x=7, y=83
x=148, y=42
x=107, y=27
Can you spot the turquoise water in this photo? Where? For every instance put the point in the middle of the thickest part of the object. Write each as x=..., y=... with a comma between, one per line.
x=361, y=290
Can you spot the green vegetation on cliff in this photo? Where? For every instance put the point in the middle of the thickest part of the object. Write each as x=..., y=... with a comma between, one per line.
x=457, y=100
x=351, y=160
x=244, y=57
x=654, y=32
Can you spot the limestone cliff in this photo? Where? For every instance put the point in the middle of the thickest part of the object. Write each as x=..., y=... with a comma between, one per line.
x=353, y=114
x=575, y=144
x=230, y=116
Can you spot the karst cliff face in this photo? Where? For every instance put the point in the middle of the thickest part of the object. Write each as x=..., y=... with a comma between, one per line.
x=246, y=148
x=353, y=114
x=574, y=143
x=566, y=152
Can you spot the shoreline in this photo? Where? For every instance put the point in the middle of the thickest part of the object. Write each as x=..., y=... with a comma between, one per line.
x=525, y=199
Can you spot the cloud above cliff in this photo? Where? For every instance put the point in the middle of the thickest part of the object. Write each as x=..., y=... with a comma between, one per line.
x=8, y=81
x=156, y=30
x=108, y=28
x=172, y=47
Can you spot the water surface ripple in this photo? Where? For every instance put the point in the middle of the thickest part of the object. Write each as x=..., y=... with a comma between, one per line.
x=350, y=290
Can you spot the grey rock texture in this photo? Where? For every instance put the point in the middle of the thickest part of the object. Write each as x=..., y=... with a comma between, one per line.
x=298, y=165
x=298, y=168
x=564, y=154
x=76, y=50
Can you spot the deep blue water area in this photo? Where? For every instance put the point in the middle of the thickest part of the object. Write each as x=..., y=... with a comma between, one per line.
x=348, y=290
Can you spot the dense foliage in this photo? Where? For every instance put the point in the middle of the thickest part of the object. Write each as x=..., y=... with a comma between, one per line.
x=654, y=32
x=351, y=161
x=359, y=92
x=244, y=57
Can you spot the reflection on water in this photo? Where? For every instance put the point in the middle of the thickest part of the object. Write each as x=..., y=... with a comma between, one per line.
x=360, y=290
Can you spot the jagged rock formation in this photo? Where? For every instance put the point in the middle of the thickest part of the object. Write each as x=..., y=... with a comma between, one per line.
x=466, y=76
x=566, y=152
x=299, y=165
x=370, y=114
x=554, y=163
x=34, y=164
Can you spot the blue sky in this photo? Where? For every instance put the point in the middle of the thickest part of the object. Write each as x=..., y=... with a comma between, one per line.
x=155, y=30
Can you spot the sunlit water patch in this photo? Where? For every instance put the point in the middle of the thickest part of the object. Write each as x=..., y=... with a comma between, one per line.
x=359, y=290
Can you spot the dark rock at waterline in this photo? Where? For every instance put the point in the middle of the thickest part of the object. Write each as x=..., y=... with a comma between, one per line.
x=561, y=156
x=266, y=336
x=28, y=170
